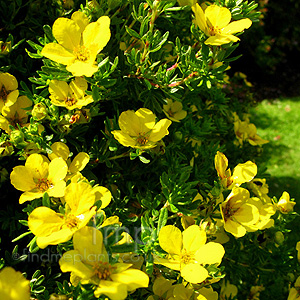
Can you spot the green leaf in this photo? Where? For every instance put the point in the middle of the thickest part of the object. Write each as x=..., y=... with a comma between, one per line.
x=163, y=218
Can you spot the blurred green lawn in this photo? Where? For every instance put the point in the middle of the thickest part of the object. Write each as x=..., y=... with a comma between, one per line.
x=279, y=122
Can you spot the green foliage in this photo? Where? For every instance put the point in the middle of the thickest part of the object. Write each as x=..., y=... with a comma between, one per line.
x=156, y=53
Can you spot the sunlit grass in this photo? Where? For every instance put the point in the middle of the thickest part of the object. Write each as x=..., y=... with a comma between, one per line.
x=279, y=122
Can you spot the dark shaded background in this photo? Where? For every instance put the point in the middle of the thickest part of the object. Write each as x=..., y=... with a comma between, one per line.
x=271, y=50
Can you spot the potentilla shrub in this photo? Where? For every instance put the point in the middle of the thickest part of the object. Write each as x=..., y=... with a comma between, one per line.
x=133, y=170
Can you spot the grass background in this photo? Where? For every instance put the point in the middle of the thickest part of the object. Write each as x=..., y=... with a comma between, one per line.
x=279, y=122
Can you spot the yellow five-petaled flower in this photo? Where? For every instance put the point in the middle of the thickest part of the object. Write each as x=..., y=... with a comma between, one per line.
x=188, y=252
x=38, y=176
x=89, y=263
x=214, y=21
x=139, y=130
x=79, y=42
x=53, y=228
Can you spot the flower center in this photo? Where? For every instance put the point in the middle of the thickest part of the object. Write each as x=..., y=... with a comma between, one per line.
x=44, y=184
x=228, y=211
x=103, y=270
x=3, y=93
x=82, y=53
x=187, y=257
x=142, y=139
x=70, y=101
x=71, y=221
x=213, y=30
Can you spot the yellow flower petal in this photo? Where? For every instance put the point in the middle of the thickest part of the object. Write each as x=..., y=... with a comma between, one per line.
x=28, y=196
x=103, y=194
x=124, y=138
x=147, y=119
x=58, y=54
x=67, y=33
x=129, y=123
x=43, y=221
x=234, y=228
x=170, y=239
x=193, y=238
x=57, y=170
x=237, y=26
x=210, y=253
x=80, y=197
x=38, y=165
x=80, y=19
x=160, y=130
x=79, y=162
x=97, y=34
x=13, y=285
x=59, y=90
x=173, y=264
x=71, y=261
x=217, y=16
x=113, y=290
x=244, y=172
x=200, y=18
x=81, y=68
x=194, y=273
x=55, y=238
x=132, y=278
x=59, y=150
x=88, y=241
x=21, y=179
x=220, y=39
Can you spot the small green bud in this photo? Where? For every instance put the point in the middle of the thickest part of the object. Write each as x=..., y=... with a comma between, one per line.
x=39, y=111
x=279, y=237
x=17, y=137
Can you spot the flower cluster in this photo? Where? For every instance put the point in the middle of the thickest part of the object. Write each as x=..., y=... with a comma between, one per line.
x=116, y=153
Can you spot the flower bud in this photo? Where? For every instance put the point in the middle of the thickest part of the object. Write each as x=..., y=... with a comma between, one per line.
x=279, y=237
x=17, y=137
x=39, y=111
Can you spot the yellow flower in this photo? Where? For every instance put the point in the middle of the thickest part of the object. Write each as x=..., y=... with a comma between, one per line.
x=228, y=290
x=188, y=252
x=79, y=42
x=215, y=23
x=174, y=111
x=139, y=130
x=266, y=210
x=79, y=162
x=89, y=263
x=298, y=251
x=241, y=173
x=160, y=288
x=15, y=114
x=237, y=212
x=207, y=293
x=39, y=176
x=260, y=188
x=284, y=204
x=246, y=131
x=13, y=285
x=70, y=96
x=8, y=90
x=53, y=228
x=294, y=293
